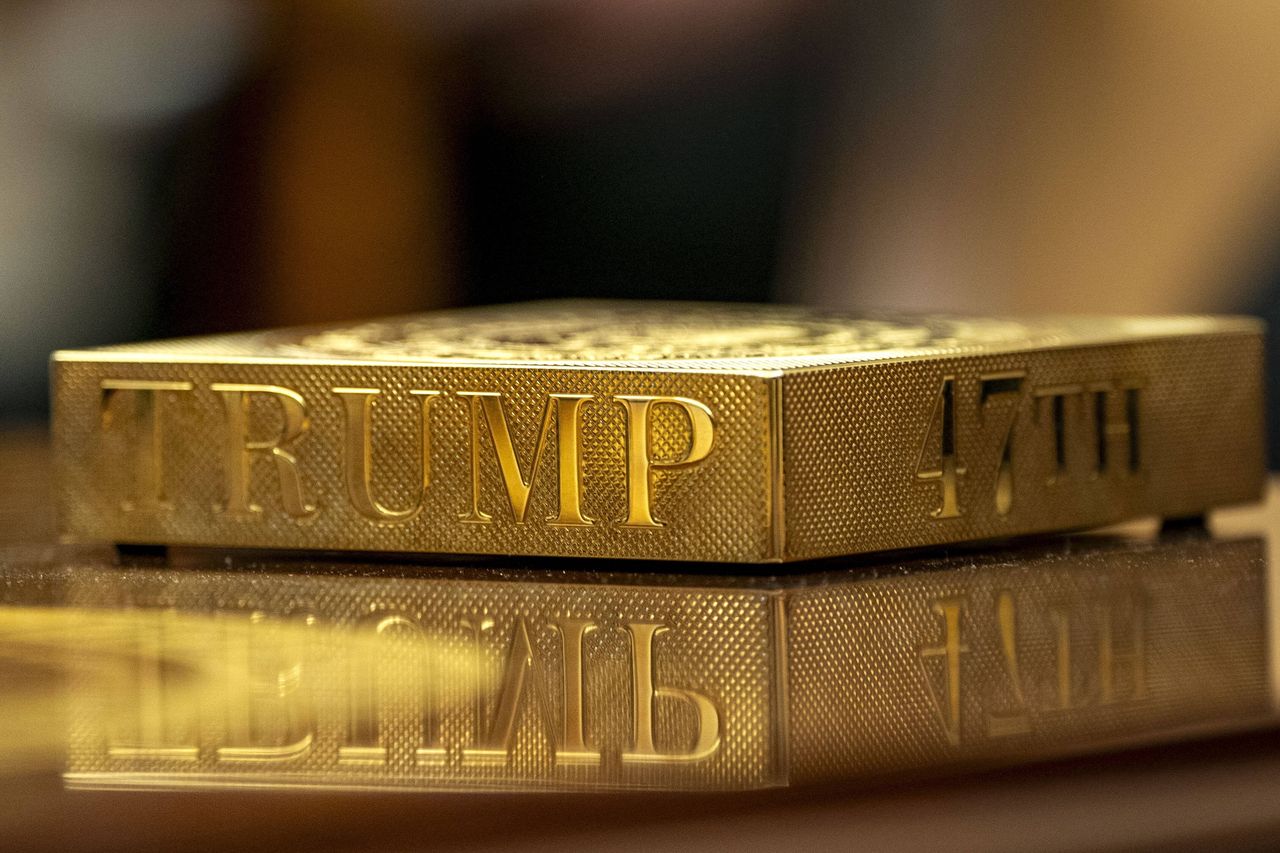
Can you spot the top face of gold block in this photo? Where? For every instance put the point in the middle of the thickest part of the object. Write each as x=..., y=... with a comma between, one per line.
x=675, y=336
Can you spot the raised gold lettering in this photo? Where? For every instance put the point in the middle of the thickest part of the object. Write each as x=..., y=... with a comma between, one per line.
x=390, y=692
x=645, y=695
x=269, y=718
x=992, y=387
x=1109, y=658
x=149, y=493
x=1018, y=720
x=1054, y=399
x=499, y=737
x=159, y=725
x=951, y=647
x=358, y=454
x=1115, y=417
x=238, y=448
x=572, y=748
x=640, y=461
x=949, y=471
x=565, y=411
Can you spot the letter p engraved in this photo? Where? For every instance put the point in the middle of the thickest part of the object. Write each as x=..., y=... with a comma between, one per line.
x=641, y=463
x=644, y=699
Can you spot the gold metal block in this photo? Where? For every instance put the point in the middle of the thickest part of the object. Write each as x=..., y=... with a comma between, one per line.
x=205, y=673
x=657, y=431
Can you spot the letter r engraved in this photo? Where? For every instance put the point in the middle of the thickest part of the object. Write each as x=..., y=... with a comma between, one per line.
x=358, y=454
x=562, y=409
x=644, y=698
x=237, y=458
x=640, y=461
x=149, y=487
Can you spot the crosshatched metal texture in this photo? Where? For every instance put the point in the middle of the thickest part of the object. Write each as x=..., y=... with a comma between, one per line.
x=349, y=685
x=718, y=511
x=871, y=690
x=856, y=438
x=1066, y=647
x=823, y=425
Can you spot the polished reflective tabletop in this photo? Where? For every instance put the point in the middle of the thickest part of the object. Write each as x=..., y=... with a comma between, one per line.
x=212, y=699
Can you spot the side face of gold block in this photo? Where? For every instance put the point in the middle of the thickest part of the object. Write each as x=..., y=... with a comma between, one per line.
x=1013, y=658
x=431, y=684
x=710, y=433
x=274, y=677
x=1003, y=444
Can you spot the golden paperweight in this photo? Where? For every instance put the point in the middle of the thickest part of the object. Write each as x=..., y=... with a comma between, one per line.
x=657, y=431
x=244, y=673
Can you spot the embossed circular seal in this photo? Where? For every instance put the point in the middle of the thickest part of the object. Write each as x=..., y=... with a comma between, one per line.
x=617, y=333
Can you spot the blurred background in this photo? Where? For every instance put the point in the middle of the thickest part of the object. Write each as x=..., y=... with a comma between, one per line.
x=179, y=168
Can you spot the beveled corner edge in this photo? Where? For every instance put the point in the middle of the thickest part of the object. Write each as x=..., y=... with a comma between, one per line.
x=776, y=491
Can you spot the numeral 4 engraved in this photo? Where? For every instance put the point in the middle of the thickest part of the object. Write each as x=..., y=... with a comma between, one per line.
x=947, y=475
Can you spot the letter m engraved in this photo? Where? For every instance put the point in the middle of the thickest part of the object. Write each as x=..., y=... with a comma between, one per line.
x=564, y=410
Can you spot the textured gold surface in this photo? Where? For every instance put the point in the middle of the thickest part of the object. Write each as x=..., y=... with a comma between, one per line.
x=202, y=670
x=822, y=435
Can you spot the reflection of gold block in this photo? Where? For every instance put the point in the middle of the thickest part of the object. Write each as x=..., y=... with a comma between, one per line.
x=687, y=432
x=554, y=680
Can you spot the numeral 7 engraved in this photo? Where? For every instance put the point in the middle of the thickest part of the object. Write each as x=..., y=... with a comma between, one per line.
x=991, y=386
x=999, y=402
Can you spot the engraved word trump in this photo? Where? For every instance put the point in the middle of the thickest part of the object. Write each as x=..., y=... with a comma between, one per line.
x=145, y=404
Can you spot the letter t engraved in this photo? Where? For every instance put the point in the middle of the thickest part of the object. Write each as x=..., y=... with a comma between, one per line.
x=1055, y=399
x=149, y=490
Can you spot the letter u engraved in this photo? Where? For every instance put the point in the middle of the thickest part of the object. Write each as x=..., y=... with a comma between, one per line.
x=357, y=459
x=644, y=698
x=391, y=690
